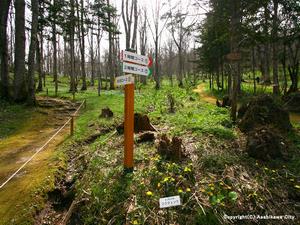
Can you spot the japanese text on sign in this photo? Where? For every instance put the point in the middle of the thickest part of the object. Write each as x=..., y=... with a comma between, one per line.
x=169, y=201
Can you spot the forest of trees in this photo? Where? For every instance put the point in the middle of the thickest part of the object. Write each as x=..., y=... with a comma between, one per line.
x=268, y=42
x=236, y=41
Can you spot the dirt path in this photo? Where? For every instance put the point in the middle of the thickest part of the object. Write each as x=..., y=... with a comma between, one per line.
x=20, y=146
x=203, y=95
x=294, y=117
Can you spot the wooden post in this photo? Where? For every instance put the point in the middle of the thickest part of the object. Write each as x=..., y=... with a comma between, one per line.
x=84, y=103
x=73, y=95
x=72, y=125
x=47, y=92
x=128, y=128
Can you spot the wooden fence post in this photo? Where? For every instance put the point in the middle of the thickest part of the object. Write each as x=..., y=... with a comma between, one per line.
x=72, y=125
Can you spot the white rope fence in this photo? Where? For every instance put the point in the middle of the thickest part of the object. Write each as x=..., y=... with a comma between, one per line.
x=41, y=148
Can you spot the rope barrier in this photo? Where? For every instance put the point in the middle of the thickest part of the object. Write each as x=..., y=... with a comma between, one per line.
x=41, y=148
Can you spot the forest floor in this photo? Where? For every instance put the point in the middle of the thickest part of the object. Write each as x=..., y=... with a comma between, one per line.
x=215, y=176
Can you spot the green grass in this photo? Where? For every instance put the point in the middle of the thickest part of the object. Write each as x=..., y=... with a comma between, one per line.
x=12, y=117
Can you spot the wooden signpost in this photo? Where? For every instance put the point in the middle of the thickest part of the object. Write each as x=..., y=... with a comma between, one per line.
x=132, y=64
x=234, y=56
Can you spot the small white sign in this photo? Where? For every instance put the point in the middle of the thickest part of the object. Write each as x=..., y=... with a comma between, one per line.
x=169, y=201
x=135, y=69
x=134, y=58
x=122, y=80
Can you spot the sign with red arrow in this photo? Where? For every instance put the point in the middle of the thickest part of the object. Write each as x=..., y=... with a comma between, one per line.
x=135, y=69
x=136, y=64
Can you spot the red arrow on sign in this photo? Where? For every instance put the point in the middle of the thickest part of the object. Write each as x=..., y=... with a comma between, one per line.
x=150, y=63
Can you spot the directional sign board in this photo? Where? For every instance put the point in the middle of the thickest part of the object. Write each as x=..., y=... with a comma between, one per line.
x=123, y=80
x=134, y=58
x=234, y=56
x=135, y=69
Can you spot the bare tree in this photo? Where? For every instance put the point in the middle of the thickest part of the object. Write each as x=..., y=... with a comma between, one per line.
x=156, y=32
x=179, y=32
x=130, y=17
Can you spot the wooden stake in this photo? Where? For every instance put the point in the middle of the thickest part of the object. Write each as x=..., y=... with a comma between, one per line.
x=128, y=128
x=72, y=125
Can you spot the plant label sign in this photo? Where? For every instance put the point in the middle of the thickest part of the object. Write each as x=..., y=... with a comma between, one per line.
x=134, y=58
x=169, y=201
x=123, y=80
x=135, y=69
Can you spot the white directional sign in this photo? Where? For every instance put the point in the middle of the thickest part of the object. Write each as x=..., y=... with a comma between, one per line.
x=134, y=58
x=135, y=69
x=122, y=80
x=169, y=201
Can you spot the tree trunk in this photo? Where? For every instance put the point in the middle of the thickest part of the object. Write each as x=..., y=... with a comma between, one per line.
x=133, y=43
x=157, y=76
x=229, y=84
x=222, y=74
x=11, y=24
x=110, y=62
x=275, y=53
x=235, y=25
x=20, y=86
x=284, y=68
x=66, y=57
x=39, y=67
x=266, y=56
x=82, y=49
x=293, y=68
x=143, y=42
x=4, y=83
x=32, y=50
x=54, y=42
x=180, y=65
x=72, y=54
x=92, y=59
x=99, y=58
x=293, y=71
x=253, y=70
